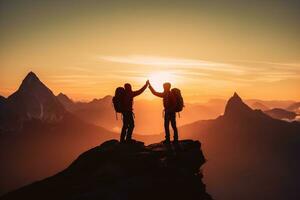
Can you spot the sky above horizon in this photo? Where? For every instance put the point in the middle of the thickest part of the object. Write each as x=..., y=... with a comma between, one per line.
x=209, y=49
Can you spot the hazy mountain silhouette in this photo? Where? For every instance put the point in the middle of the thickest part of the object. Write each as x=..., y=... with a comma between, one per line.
x=33, y=100
x=72, y=106
x=295, y=107
x=236, y=107
x=270, y=103
x=259, y=106
x=38, y=137
x=101, y=112
x=279, y=113
x=66, y=101
x=98, y=111
x=126, y=171
x=251, y=155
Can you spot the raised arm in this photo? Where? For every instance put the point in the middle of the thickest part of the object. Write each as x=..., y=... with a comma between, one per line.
x=158, y=94
x=140, y=91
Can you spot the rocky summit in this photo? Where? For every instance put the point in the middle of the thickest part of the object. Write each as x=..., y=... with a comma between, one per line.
x=114, y=171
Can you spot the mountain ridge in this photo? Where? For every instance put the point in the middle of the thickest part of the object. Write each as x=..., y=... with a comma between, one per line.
x=32, y=100
x=249, y=149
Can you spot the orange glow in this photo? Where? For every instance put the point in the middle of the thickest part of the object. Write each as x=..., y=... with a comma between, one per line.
x=157, y=79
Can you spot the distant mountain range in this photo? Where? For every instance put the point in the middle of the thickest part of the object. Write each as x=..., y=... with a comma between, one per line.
x=101, y=112
x=295, y=107
x=33, y=100
x=250, y=154
x=259, y=106
x=270, y=103
x=279, y=113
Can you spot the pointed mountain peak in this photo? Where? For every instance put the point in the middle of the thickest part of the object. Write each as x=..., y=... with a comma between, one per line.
x=34, y=100
x=236, y=106
x=31, y=80
x=31, y=77
x=63, y=98
x=236, y=96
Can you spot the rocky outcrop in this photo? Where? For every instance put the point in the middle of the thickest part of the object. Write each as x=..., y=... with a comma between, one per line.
x=126, y=171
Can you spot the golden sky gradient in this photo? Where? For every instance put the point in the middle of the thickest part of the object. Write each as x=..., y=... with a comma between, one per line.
x=209, y=49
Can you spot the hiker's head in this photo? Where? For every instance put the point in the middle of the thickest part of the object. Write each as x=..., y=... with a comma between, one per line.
x=167, y=86
x=127, y=87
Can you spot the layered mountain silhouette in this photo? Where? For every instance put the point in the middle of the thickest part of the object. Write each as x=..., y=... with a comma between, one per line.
x=38, y=136
x=126, y=171
x=98, y=111
x=101, y=112
x=250, y=154
x=259, y=106
x=269, y=103
x=33, y=100
x=295, y=107
x=279, y=113
x=254, y=155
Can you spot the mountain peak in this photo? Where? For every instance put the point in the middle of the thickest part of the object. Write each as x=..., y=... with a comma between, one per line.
x=62, y=95
x=31, y=76
x=236, y=106
x=64, y=99
x=235, y=95
x=30, y=79
x=33, y=100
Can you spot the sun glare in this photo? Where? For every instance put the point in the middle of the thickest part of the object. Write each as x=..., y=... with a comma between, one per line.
x=157, y=79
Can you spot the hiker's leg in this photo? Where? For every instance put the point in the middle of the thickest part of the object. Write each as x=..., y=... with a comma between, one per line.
x=130, y=126
x=173, y=124
x=125, y=127
x=166, y=125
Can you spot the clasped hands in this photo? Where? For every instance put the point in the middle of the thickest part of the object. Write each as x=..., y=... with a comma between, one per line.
x=148, y=83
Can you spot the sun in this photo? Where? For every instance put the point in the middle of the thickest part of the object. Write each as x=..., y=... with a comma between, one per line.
x=157, y=79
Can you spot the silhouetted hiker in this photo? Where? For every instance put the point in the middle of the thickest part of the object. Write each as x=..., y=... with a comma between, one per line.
x=123, y=102
x=173, y=102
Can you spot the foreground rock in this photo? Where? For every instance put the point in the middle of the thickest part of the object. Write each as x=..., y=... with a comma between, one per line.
x=126, y=171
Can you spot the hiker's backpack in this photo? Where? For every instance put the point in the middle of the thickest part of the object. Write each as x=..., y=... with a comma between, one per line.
x=177, y=100
x=119, y=100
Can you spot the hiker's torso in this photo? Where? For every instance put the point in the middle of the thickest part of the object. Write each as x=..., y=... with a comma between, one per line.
x=168, y=102
x=128, y=101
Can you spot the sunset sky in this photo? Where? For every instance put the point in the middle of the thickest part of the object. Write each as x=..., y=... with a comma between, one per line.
x=209, y=49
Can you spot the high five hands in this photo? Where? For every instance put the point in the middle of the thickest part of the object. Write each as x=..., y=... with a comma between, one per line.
x=148, y=83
